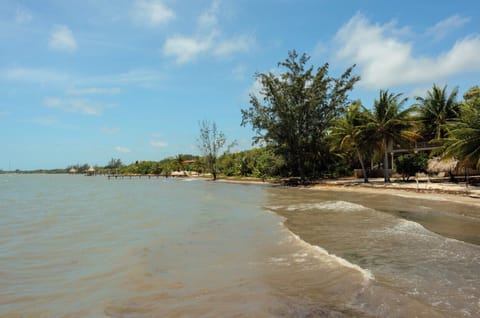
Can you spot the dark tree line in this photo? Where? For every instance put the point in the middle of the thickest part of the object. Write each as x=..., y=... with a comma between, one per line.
x=294, y=112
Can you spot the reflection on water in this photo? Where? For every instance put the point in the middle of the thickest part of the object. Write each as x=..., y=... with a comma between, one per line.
x=72, y=246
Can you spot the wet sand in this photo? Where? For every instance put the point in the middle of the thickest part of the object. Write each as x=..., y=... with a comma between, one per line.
x=441, y=191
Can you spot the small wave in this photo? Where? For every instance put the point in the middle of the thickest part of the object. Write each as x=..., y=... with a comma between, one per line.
x=326, y=205
x=323, y=253
x=409, y=227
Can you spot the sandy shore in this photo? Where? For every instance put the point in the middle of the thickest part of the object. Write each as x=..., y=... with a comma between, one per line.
x=453, y=192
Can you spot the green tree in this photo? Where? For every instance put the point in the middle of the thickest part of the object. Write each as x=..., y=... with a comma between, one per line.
x=210, y=143
x=266, y=164
x=178, y=163
x=472, y=95
x=389, y=124
x=436, y=110
x=408, y=165
x=463, y=141
x=295, y=111
x=351, y=132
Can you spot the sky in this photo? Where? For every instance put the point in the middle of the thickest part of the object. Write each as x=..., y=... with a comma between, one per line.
x=86, y=81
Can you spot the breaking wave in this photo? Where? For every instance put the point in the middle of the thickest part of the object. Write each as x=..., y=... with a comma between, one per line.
x=325, y=256
x=326, y=205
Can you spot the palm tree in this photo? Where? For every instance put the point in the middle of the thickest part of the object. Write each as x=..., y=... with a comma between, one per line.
x=436, y=110
x=179, y=163
x=350, y=133
x=389, y=124
x=463, y=140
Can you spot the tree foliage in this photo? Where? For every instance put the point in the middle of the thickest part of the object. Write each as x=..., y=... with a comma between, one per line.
x=389, y=124
x=350, y=132
x=295, y=111
x=436, y=110
x=408, y=165
x=114, y=164
x=463, y=140
x=210, y=142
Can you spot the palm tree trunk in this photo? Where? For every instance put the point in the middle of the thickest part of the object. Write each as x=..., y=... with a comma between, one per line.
x=385, y=162
x=364, y=171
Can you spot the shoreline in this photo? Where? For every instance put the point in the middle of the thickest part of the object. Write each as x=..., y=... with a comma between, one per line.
x=424, y=190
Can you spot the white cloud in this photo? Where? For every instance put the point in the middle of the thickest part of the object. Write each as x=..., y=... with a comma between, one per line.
x=62, y=39
x=234, y=45
x=208, y=40
x=133, y=77
x=110, y=130
x=255, y=89
x=23, y=16
x=158, y=144
x=50, y=76
x=121, y=149
x=79, y=106
x=320, y=49
x=185, y=49
x=93, y=91
x=208, y=19
x=33, y=75
x=385, y=60
x=444, y=27
x=152, y=13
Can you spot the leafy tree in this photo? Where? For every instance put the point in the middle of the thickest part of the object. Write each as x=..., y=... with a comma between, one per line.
x=295, y=111
x=389, y=124
x=114, y=164
x=179, y=163
x=408, y=165
x=210, y=143
x=351, y=132
x=463, y=140
x=245, y=166
x=436, y=110
x=472, y=95
x=266, y=164
x=227, y=164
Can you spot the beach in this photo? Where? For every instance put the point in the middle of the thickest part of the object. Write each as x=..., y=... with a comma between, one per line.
x=77, y=246
x=457, y=192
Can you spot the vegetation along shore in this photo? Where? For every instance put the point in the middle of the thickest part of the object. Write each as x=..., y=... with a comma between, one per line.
x=308, y=129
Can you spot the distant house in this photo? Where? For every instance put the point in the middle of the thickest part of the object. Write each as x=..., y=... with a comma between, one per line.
x=90, y=171
x=189, y=164
x=179, y=174
x=72, y=170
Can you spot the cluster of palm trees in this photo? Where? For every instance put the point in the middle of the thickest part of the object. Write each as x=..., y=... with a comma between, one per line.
x=438, y=117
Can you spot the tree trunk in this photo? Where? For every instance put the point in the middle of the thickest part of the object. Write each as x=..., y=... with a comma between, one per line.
x=385, y=163
x=364, y=171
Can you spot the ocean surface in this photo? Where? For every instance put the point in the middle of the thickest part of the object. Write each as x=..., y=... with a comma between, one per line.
x=75, y=246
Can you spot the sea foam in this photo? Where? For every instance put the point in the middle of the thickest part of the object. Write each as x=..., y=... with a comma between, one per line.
x=323, y=254
x=342, y=206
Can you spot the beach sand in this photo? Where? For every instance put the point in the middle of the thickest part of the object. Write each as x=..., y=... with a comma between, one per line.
x=452, y=192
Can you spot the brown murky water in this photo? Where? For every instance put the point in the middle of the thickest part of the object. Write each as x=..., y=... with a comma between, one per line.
x=423, y=255
x=72, y=246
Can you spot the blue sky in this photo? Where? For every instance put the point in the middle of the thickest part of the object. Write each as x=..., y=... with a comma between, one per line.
x=87, y=81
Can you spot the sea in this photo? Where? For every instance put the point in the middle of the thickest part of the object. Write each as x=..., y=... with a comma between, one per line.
x=78, y=246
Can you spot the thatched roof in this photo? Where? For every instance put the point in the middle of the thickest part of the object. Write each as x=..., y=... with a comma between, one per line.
x=436, y=165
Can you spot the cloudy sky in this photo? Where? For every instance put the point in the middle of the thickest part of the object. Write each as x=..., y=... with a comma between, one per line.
x=87, y=81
